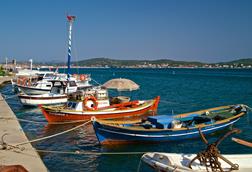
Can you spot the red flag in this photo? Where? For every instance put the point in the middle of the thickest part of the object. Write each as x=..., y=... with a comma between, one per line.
x=70, y=18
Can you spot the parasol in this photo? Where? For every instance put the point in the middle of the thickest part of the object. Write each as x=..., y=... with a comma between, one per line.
x=121, y=84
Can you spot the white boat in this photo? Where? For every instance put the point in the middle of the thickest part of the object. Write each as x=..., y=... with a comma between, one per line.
x=45, y=99
x=42, y=85
x=169, y=162
x=56, y=96
x=36, y=83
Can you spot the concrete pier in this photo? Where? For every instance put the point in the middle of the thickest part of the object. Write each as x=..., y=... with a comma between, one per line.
x=10, y=127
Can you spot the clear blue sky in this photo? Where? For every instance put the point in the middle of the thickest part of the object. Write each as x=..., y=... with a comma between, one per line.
x=201, y=30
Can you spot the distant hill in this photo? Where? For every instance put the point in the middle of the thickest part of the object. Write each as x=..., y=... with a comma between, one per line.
x=107, y=62
x=120, y=63
x=247, y=61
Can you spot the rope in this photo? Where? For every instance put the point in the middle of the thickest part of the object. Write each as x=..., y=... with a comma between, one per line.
x=6, y=97
x=51, y=136
x=42, y=122
x=24, y=120
x=89, y=152
x=6, y=91
x=249, y=108
x=139, y=164
x=96, y=81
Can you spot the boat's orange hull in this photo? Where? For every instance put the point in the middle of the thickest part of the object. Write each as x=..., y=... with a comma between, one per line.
x=54, y=116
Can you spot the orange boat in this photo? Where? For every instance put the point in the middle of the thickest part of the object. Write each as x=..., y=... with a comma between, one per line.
x=95, y=102
x=71, y=111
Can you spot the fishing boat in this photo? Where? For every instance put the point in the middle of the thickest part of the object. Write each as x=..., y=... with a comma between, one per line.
x=95, y=102
x=40, y=83
x=35, y=84
x=169, y=162
x=56, y=96
x=167, y=127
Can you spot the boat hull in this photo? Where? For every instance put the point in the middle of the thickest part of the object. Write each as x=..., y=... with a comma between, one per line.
x=63, y=116
x=117, y=132
x=113, y=135
x=33, y=90
x=169, y=162
x=46, y=100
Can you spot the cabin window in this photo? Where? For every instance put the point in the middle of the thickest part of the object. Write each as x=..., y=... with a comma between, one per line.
x=57, y=84
x=49, y=75
x=48, y=85
x=73, y=105
x=69, y=104
x=72, y=84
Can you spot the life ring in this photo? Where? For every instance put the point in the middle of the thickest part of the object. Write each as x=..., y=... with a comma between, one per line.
x=83, y=77
x=94, y=100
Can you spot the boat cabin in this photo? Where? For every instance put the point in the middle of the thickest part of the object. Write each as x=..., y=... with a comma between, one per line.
x=90, y=98
x=58, y=87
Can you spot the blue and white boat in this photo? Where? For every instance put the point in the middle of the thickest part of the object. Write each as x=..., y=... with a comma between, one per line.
x=167, y=127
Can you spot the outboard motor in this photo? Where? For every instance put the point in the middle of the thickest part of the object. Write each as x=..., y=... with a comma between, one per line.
x=240, y=108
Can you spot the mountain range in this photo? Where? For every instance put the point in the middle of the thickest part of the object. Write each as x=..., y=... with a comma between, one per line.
x=120, y=63
x=107, y=62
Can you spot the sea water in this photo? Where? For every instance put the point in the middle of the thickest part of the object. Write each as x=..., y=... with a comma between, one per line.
x=181, y=90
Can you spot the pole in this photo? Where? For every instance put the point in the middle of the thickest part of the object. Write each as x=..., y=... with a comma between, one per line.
x=6, y=63
x=70, y=20
x=30, y=64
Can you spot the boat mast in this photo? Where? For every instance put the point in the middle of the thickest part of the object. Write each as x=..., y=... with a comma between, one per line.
x=70, y=21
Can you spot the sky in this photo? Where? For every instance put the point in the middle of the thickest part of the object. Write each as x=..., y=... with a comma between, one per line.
x=191, y=30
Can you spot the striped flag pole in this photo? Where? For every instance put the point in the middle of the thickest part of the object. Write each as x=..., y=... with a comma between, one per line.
x=70, y=20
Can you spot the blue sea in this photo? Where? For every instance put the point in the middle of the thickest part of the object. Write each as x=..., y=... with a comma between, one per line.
x=181, y=90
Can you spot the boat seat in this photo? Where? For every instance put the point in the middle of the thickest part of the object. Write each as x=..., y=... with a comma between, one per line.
x=219, y=117
x=188, y=118
x=202, y=119
x=148, y=126
x=161, y=121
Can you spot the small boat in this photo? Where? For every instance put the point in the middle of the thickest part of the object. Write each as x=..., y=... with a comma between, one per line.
x=43, y=99
x=167, y=127
x=56, y=96
x=209, y=160
x=41, y=84
x=169, y=162
x=83, y=107
x=35, y=83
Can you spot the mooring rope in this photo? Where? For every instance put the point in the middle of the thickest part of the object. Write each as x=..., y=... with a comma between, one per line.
x=54, y=135
x=96, y=81
x=6, y=91
x=24, y=120
x=77, y=152
x=5, y=97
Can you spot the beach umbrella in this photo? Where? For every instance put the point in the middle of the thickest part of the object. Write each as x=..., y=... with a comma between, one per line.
x=121, y=84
